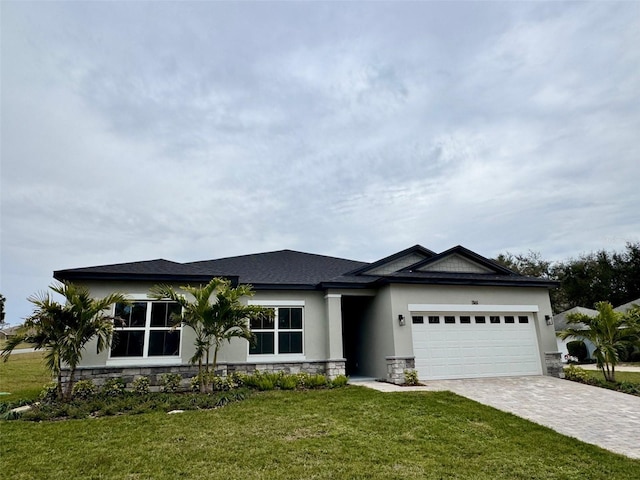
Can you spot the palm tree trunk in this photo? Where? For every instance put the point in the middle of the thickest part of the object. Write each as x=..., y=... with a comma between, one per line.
x=215, y=359
x=200, y=375
x=59, y=385
x=67, y=395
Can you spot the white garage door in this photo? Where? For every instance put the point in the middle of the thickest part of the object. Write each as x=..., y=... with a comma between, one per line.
x=478, y=344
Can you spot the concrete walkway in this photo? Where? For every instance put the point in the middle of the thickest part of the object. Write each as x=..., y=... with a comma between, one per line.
x=594, y=415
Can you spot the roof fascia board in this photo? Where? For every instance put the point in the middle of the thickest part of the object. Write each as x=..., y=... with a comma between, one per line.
x=470, y=282
x=156, y=277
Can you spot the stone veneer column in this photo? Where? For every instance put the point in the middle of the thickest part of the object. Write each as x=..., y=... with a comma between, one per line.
x=335, y=367
x=396, y=367
x=553, y=361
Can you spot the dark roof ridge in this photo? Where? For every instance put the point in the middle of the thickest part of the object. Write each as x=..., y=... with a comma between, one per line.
x=288, y=250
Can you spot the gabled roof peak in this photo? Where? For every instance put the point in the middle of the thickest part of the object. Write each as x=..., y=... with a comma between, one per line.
x=481, y=262
x=395, y=261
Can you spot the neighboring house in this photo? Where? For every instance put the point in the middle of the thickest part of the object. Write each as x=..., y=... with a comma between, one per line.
x=450, y=315
x=6, y=332
x=627, y=306
x=560, y=323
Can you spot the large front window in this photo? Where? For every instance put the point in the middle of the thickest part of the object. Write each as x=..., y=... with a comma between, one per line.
x=278, y=334
x=146, y=330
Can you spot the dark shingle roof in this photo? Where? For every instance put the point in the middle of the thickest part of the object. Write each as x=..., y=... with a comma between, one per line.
x=159, y=269
x=283, y=267
x=298, y=270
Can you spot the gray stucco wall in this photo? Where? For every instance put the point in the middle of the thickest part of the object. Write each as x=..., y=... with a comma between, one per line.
x=377, y=335
x=315, y=325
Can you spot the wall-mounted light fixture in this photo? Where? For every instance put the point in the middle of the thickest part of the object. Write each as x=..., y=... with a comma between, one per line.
x=548, y=319
x=401, y=320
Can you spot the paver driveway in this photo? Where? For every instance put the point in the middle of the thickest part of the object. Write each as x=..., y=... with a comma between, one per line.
x=594, y=415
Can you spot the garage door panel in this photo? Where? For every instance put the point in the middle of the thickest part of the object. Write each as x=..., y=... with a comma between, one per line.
x=476, y=349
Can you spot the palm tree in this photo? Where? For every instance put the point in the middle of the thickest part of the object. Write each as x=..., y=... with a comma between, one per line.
x=232, y=319
x=608, y=331
x=212, y=322
x=63, y=331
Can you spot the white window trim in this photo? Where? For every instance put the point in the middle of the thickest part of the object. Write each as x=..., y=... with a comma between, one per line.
x=433, y=307
x=146, y=359
x=279, y=357
x=277, y=303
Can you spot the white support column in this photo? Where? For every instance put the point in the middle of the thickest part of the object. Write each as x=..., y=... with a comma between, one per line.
x=334, y=325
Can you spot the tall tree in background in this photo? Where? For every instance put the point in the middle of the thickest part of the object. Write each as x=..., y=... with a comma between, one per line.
x=585, y=280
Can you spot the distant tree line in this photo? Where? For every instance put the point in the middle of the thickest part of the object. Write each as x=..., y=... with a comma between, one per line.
x=584, y=280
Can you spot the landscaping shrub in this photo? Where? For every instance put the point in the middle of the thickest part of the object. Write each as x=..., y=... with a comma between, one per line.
x=170, y=382
x=49, y=393
x=316, y=381
x=411, y=378
x=576, y=374
x=264, y=383
x=127, y=403
x=339, y=381
x=578, y=349
x=141, y=385
x=113, y=387
x=629, y=387
x=288, y=382
x=84, y=389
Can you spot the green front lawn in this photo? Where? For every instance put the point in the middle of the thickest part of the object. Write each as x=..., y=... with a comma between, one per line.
x=633, y=377
x=350, y=433
x=23, y=376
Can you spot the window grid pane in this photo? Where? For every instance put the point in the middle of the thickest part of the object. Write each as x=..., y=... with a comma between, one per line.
x=264, y=344
x=280, y=334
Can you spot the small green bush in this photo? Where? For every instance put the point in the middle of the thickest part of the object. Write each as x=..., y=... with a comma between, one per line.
x=629, y=387
x=170, y=382
x=288, y=382
x=411, y=378
x=339, y=381
x=316, y=381
x=49, y=393
x=264, y=383
x=84, y=389
x=577, y=374
x=141, y=385
x=113, y=387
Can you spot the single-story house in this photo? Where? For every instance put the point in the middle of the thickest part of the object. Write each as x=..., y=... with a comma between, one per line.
x=453, y=314
x=560, y=323
x=627, y=306
x=6, y=332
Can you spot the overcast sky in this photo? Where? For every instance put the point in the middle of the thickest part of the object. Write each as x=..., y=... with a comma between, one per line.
x=192, y=131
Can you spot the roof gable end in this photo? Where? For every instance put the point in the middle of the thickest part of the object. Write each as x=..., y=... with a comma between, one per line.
x=459, y=260
x=396, y=262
